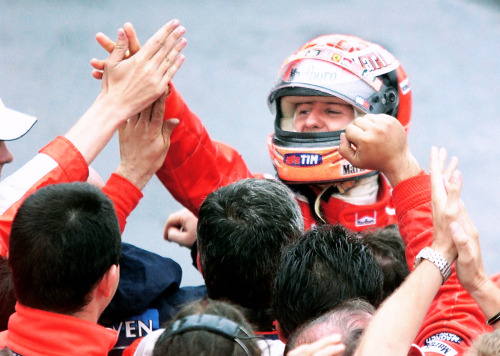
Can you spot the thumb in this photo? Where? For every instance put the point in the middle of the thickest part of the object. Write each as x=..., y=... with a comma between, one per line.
x=346, y=150
x=459, y=237
x=169, y=125
x=120, y=50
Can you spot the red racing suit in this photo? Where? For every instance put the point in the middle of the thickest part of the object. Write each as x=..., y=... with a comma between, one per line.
x=36, y=332
x=454, y=319
x=58, y=162
x=196, y=166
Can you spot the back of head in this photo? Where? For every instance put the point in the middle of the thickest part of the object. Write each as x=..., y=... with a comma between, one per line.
x=349, y=319
x=242, y=229
x=7, y=296
x=207, y=327
x=486, y=345
x=325, y=267
x=389, y=250
x=63, y=239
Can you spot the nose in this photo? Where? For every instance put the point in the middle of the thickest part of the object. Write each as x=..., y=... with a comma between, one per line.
x=5, y=155
x=314, y=120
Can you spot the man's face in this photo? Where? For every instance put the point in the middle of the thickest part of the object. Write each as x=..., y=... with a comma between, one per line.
x=321, y=114
x=5, y=155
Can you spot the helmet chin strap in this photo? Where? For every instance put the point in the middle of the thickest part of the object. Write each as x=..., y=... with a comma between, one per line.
x=356, y=192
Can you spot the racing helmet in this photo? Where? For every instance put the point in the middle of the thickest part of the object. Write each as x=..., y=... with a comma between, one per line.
x=362, y=73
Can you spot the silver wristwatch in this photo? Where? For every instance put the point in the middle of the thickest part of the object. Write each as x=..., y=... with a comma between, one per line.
x=435, y=257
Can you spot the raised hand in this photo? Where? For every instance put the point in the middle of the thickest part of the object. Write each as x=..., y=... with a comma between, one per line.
x=181, y=228
x=379, y=142
x=139, y=80
x=446, y=189
x=144, y=143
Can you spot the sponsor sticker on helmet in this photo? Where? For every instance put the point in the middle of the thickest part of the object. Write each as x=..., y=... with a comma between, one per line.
x=302, y=159
x=362, y=102
x=405, y=86
x=348, y=169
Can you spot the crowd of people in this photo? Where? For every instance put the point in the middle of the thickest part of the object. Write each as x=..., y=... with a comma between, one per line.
x=350, y=249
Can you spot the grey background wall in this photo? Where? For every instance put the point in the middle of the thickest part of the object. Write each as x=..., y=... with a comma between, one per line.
x=449, y=49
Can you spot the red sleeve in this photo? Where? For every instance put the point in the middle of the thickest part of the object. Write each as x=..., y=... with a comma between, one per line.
x=454, y=318
x=125, y=197
x=412, y=200
x=130, y=350
x=58, y=162
x=195, y=165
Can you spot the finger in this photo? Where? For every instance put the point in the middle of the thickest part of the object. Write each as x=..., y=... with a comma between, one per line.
x=156, y=42
x=452, y=166
x=134, y=44
x=175, y=234
x=105, y=42
x=363, y=122
x=354, y=134
x=97, y=64
x=466, y=222
x=145, y=116
x=461, y=239
x=169, y=45
x=169, y=75
x=172, y=56
x=158, y=111
x=332, y=350
x=346, y=150
x=120, y=49
x=452, y=204
x=97, y=74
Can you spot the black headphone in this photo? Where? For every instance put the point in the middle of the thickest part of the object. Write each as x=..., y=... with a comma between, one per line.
x=211, y=323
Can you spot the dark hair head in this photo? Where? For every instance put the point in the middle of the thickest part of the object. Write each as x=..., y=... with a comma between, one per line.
x=349, y=319
x=388, y=248
x=7, y=296
x=64, y=238
x=195, y=331
x=325, y=267
x=242, y=229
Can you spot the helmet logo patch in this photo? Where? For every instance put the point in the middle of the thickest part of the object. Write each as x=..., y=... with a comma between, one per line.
x=372, y=61
x=348, y=169
x=405, y=86
x=312, y=74
x=302, y=159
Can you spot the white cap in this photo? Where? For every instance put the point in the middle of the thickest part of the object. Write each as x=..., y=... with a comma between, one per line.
x=13, y=124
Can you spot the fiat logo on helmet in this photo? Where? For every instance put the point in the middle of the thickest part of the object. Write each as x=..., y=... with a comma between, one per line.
x=302, y=159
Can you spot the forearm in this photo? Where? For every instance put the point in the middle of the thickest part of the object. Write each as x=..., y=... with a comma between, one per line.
x=396, y=323
x=195, y=164
x=487, y=296
x=407, y=168
x=96, y=127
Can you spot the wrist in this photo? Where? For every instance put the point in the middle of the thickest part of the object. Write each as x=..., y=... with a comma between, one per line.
x=115, y=111
x=134, y=176
x=436, y=258
x=407, y=168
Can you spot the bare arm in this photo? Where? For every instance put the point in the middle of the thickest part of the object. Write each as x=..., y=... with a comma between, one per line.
x=470, y=268
x=396, y=323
